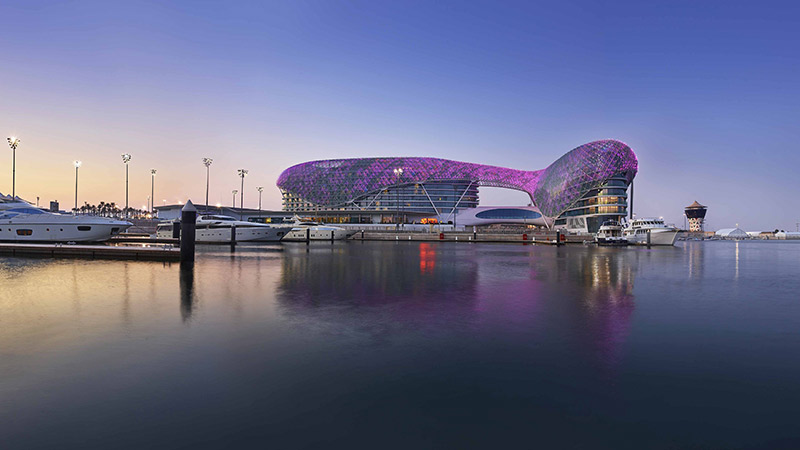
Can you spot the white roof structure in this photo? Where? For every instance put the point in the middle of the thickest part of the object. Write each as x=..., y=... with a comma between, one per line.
x=732, y=233
x=787, y=235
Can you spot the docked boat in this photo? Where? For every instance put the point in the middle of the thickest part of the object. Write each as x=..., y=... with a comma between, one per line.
x=21, y=221
x=610, y=233
x=306, y=230
x=660, y=234
x=216, y=229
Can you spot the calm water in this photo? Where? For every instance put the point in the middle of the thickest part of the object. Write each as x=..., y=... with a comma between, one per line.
x=406, y=345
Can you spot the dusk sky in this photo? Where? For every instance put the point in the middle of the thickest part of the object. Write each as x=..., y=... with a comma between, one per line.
x=707, y=96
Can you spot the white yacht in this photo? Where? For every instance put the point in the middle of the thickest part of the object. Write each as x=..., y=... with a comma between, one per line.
x=214, y=228
x=610, y=233
x=22, y=222
x=306, y=230
x=660, y=234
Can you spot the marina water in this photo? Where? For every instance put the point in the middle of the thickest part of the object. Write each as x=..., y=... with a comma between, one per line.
x=406, y=345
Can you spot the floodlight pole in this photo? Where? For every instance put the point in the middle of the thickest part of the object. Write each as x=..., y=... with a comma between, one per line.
x=13, y=143
x=126, y=158
x=207, y=162
x=398, y=173
x=77, y=166
x=242, y=174
x=152, y=188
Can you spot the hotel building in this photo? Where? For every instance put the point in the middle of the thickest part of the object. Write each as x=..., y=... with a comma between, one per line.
x=580, y=190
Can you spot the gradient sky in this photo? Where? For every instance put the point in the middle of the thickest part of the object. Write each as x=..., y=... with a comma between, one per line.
x=706, y=93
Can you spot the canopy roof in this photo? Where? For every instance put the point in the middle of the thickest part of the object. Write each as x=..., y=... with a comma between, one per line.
x=695, y=205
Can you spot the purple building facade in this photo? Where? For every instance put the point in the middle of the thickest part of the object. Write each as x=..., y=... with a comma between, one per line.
x=590, y=180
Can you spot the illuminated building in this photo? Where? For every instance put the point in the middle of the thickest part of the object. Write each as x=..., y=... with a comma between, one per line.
x=579, y=191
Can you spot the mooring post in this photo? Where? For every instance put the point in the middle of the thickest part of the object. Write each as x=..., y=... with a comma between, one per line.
x=648, y=238
x=187, y=230
x=233, y=237
x=308, y=235
x=176, y=230
x=558, y=237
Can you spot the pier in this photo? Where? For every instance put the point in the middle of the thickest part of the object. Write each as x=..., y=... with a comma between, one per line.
x=522, y=238
x=91, y=251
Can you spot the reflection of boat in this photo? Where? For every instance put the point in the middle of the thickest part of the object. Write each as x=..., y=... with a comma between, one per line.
x=217, y=229
x=660, y=234
x=22, y=222
x=306, y=230
x=610, y=233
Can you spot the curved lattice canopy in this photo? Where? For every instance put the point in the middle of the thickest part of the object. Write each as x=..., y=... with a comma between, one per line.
x=337, y=182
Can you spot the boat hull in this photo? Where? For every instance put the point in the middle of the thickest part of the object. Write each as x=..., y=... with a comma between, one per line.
x=222, y=235
x=315, y=234
x=60, y=232
x=613, y=241
x=666, y=237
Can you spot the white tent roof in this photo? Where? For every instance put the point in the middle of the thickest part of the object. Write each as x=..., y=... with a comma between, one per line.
x=732, y=232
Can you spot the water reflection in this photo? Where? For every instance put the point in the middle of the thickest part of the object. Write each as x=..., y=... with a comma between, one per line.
x=187, y=292
x=424, y=285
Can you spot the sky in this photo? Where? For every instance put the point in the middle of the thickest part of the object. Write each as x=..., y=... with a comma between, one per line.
x=706, y=94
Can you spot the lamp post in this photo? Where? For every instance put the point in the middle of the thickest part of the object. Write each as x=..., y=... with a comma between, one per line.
x=260, y=189
x=398, y=173
x=207, y=162
x=152, y=187
x=126, y=158
x=234, y=192
x=77, y=166
x=242, y=174
x=13, y=143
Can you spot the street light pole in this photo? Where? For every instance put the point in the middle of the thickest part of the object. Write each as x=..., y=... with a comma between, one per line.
x=260, y=189
x=152, y=188
x=242, y=174
x=207, y=162
x=13, y=143
x=77, y=166
x=126, y=158
x=398, y=173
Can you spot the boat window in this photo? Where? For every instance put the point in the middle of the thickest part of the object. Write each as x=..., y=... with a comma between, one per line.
x=84, y=228
x=24, y=232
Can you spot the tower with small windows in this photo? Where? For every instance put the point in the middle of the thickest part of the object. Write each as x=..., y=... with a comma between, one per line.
x=696, y=215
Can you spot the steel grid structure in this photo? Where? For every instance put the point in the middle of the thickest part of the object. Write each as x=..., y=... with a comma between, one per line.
x=339, y=182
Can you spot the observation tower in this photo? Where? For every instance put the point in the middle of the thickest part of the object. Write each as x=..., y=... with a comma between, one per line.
x=696, y=214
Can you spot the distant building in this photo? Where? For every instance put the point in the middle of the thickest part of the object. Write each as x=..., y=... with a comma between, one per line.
x=732, y=233
x=787, y=235
x=696, y=214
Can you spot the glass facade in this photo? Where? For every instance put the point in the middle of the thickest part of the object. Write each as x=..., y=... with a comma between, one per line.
x=607, y=202
x=418, y=198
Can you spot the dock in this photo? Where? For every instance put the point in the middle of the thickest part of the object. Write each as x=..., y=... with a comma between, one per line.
x=142, y=239
x=91, y=251
x=521, y=238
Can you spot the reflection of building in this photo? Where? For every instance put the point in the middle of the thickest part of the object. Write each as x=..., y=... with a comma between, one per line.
x=579, y=191
x=696, y=214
